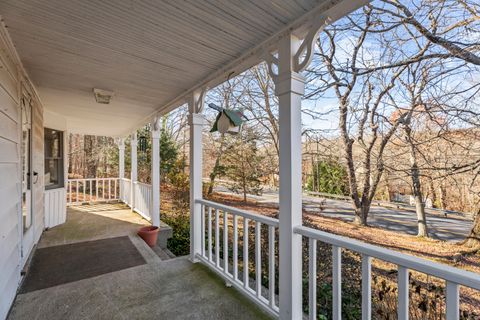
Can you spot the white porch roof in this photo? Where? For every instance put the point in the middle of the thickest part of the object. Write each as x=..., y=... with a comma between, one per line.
x=150, y=53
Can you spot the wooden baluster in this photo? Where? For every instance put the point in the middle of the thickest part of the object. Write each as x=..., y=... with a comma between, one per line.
x=271, y=265
x=210, y=234
x=366, y=287
x=217, y=238
x=337, y=282
x=245, y=253
x=403, y=290
x=453, y=301
x=312, y=279
x=225, y=241
x=258, y=258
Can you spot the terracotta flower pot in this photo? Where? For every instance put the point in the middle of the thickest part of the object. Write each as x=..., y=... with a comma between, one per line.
x=149, y=235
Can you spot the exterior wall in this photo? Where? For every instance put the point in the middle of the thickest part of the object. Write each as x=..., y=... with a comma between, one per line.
x=55, y=199
x=10, y=186
x=38, y=150
x=13, y=81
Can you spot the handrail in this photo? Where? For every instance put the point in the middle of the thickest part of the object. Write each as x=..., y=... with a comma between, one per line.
x=253, y=216
x=142, y=184
x=458, y=276
x=90, y=179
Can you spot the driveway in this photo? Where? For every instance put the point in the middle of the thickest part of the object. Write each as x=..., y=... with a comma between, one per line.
x=451, y=228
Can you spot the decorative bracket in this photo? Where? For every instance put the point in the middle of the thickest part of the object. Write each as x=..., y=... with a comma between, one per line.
x=133, y=139
x=198, y=100
x=306, y=49
x=156, y=123
x=272, y=61
x=120, y=142
x=302, y=58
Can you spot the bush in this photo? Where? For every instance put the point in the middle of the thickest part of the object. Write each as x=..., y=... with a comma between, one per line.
x=329, y=177
x=180, y=189
x=179, y=244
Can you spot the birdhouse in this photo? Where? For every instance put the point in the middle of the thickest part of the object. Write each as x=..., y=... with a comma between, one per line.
x=228, y=121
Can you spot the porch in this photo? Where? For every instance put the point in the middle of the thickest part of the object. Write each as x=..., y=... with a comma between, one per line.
x=149, y=287
x=149, y=59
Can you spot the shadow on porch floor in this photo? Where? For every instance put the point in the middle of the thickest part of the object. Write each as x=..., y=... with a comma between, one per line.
x=171, y=289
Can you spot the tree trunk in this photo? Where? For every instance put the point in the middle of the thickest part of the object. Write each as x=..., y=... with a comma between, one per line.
x=361, y=215
x=388, y=192
x=419, y=206
x=421, y=217
x=216, y=167
x=90, y=157
x=417, y=188
x=473, y=239
x=358, y=216
x=244, y=189
x=443, y=196
x=213, y=175
x=433, y=194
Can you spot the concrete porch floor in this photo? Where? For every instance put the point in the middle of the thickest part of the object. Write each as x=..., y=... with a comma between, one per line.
x=159, y=289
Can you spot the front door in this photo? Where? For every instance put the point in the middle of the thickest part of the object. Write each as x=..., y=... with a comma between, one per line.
x=28, y=178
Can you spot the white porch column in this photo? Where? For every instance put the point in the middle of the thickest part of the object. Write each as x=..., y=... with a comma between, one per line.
x=196, y=121
x=289, y=87
x=133, y=171
x=155, y=214
x=121, y=166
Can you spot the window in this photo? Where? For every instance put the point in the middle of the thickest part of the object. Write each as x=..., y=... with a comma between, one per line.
x=53, y=159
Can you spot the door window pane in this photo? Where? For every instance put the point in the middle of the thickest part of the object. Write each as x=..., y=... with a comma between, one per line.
x=26, y=165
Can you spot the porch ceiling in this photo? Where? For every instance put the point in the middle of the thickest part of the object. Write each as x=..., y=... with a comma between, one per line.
x=148, y=52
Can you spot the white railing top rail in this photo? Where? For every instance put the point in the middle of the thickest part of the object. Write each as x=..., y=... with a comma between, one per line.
x=455, y=275
x=263, y=219
x=88, y=179
x=142, y=184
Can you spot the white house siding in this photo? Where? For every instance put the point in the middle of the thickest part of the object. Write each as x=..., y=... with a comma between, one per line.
x=38, y=150
x=11, y=74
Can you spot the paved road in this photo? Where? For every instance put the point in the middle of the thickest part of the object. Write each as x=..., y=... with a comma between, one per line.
x=452, y=228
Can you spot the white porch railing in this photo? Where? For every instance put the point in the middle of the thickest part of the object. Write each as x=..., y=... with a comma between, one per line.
x=454, y=277
x=216, y=248
x=80, y=191
x=143, y=199
x=125, y=191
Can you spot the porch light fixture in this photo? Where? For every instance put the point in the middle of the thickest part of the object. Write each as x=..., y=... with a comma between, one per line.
x=102, y=96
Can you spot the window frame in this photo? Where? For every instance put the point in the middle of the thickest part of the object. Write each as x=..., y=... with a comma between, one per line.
x=61, y=160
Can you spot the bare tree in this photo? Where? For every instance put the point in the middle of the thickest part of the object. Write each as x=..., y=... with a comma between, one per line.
x=448, y=28
x=361, y=97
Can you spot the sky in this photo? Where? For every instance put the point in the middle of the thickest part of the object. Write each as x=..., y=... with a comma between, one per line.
x=374, y=55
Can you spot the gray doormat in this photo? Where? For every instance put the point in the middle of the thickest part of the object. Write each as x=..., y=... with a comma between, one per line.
x=57, y=265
